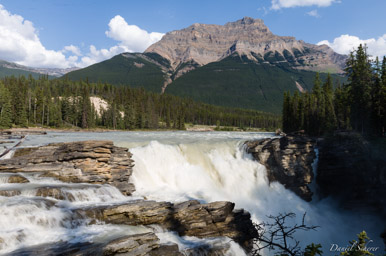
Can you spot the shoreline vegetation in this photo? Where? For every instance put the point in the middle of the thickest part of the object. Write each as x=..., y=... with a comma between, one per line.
x=188, y=128
x=27, y=102
x=358, y=106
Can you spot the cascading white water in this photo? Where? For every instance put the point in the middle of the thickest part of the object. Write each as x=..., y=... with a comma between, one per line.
x=223, y=171
x=170, y=166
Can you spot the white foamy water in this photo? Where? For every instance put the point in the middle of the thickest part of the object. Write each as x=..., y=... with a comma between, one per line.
x=174, y=166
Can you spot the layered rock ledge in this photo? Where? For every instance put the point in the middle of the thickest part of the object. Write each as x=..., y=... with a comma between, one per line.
x=97, y=162
x=217, y=219
x=288, y=160
x=100, y=163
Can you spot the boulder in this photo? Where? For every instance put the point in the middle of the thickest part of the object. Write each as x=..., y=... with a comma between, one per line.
x=97, y=162
x=188, y=219
x=288, y=160
x=132, y=245
x=17, y=179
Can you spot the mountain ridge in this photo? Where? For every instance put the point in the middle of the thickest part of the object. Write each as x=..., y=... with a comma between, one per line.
x=202, y=44
x=55, y=72
x=239, y=64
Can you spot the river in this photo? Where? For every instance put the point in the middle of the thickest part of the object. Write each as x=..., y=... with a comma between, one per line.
x=173, y=166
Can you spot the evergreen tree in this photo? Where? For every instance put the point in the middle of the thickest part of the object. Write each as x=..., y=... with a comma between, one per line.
x=5, y=108
x=313, y=250
x=329, y=122
x=358, y=247
x=286, y=112
x=359, y=74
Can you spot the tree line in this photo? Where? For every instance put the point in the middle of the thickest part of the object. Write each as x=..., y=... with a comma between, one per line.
x=359, y=104
x=28, y=102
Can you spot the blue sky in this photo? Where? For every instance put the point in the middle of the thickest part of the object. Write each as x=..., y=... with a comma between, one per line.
x=62, y=32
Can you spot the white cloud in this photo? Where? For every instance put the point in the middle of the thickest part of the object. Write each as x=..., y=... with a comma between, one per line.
x=278, y=4
x=313, y=13
x=20, y=43
x=131, y=36
x=346, y=43
x=96, y=55
x=72, y=48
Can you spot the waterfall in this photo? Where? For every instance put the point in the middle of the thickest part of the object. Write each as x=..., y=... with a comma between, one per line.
x=169, y=166
x=217, y=171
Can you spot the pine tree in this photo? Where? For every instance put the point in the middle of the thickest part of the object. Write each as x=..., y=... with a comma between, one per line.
x=329, y=122
x=358, y=247
x=313, y=250
x=286, y=112
x=5, y=108
x=86, y=108
x=359, y=75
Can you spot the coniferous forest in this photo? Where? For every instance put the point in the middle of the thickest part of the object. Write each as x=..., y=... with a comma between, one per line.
x=358, y=105
x=60, y=103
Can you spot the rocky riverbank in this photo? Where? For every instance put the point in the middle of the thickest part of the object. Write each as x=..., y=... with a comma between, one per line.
x=90, y=166
x=288, y=160
x=350, y=168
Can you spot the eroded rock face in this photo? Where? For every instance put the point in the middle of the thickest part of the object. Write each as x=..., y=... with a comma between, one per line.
x=201, y=44
x=132, y=245
x=98, y=162
x=353, y=170
x=288, y=160
x=101, y=163
x=188, y=219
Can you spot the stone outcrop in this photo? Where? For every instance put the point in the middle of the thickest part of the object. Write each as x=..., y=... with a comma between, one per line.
x=353, y=170
x=101, y=163
x=97, y=162
x=201, y=44
x=288, y=160
x=17, y=179
x=188, y=218
x=132, y=245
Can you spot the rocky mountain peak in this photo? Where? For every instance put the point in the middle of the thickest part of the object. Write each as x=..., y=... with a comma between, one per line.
x=200, y=44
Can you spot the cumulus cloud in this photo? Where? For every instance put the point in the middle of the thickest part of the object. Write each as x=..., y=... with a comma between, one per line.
x=131, y=36
x=346, y=43
x=72, y=48
x=96, y=55
x=313, y=13
x=20, y=43
x=278, y=4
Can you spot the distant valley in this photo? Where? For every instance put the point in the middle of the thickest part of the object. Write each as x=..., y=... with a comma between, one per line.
x=9, y=68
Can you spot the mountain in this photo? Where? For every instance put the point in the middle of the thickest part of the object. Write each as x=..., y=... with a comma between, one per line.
x=134, y=69
x=10, y=68
x=239, y=64
x=202, y=44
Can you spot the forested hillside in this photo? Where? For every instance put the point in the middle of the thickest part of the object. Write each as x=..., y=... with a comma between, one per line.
x=64, y=103
x=237, y=81
x=358, y=105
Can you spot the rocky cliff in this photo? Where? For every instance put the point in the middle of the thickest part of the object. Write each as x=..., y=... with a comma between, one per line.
x=288, y=160
x=350, y=168
x=96, y=162
x=201, y=44
x=353, y=170
x=92, y=166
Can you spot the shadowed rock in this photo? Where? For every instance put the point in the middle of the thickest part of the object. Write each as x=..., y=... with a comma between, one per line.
x=288, y=160
x=133, y=245
x=188, y=219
